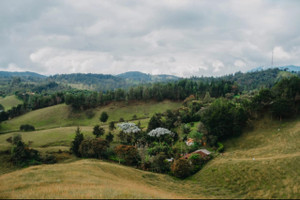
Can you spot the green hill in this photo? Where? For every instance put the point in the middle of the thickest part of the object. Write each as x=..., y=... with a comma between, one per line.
x=9, y=101
x=262, y=163
x=63, y=115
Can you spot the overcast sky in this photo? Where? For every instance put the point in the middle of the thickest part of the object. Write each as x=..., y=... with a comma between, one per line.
x=184, y=37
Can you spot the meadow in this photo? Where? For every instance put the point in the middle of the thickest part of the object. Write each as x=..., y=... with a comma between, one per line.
x=63, y=115
x=262, y=163
x=9, y=101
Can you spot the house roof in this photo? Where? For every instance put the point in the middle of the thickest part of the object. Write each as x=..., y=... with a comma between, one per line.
x=205, y=151
x=202, y=152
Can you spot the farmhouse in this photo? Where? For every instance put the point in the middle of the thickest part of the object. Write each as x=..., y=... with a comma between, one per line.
x=202, y=152
x=189, y=142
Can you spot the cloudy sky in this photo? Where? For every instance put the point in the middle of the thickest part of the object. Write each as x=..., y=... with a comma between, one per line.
x=179, y=37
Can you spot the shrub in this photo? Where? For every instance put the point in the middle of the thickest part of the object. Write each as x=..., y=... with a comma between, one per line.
x=160, y=164
x=103, y=117
x=121, y=119
x=76, y=142
x=109, y=137
x=98, y=131
x=220, y=147
x=181, y=168
x=93, y=148
x=128, y=153
x=111, y=126
x=27, y=127
x=21, y=155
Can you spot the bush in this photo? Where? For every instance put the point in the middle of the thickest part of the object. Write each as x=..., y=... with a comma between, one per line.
x=220, y=147
x=121, y=119
x=27, y=127
x=160, y=164
x=22, y=155
x=76, y=142
x=98, y=131
x=93, y=148
x=109, y=137
x=181, y=168
x=103, y=117
x=128, y=153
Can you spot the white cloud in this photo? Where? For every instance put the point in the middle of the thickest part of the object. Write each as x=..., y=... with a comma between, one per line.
x=185, y=38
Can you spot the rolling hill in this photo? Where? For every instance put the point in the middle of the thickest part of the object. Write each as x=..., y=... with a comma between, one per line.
x=262, y=163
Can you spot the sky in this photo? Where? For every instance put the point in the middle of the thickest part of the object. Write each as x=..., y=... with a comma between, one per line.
x=179, y=37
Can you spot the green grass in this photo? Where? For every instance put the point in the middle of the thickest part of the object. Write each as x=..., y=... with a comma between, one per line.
x=9, y=101
x=261, y=163
x=63, y=115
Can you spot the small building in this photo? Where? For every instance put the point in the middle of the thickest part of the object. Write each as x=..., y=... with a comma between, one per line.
x=189, y=142
x=202, y=152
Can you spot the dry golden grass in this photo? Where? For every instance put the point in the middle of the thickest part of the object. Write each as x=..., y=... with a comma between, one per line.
x=273, y=173
x=84, y=179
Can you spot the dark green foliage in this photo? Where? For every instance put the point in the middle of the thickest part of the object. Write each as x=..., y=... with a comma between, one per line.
x=154, y=122
x=22, y=155
x=223, y=119
x=109, y=137
x=121, y=119
x=128, y=153
x=220, y=148
x=181, y=168
x=98, y=131
x=76, y=142
x=111, y=126
x=93, y=148
x=160, y=164
x=157, y=148
x=103, y=117
x=282, y=108
x=27, y=127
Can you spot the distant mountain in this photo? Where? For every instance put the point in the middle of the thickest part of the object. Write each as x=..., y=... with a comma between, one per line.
x=98, y=82
x=290, y=68
x=26, y=74
x=146, y=78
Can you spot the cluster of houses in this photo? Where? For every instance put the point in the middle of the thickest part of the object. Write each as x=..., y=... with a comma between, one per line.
x=202, y=152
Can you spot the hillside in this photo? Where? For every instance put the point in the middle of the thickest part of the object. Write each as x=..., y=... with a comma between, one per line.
x=136, y=76
x=9, y=101
x=63, y=115
x=262, y=163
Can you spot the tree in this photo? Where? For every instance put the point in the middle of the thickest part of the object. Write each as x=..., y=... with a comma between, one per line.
x=109, y=137
x=98, y=131
x=103, y=117
x=154, y=122
x=111, y=126
x=160, y=164
x=282, y=108
x=76, y=142
x=181, y=168
x=223, y=119
x=93, y=148
x=21, y=154
x=129, y=133
x=128, y=153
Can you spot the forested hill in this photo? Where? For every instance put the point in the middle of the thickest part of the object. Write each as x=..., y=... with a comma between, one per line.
x=6, y=74
x=146, y=78
x=10, y=82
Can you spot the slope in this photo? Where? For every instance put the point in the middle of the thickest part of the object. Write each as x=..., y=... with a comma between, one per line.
x=63, y=115
x=9, y=101
x=262, y=163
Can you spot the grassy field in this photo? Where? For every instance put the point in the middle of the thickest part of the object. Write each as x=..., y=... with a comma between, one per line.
x=262, y=163
x=63, y=115
x=9, y=101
